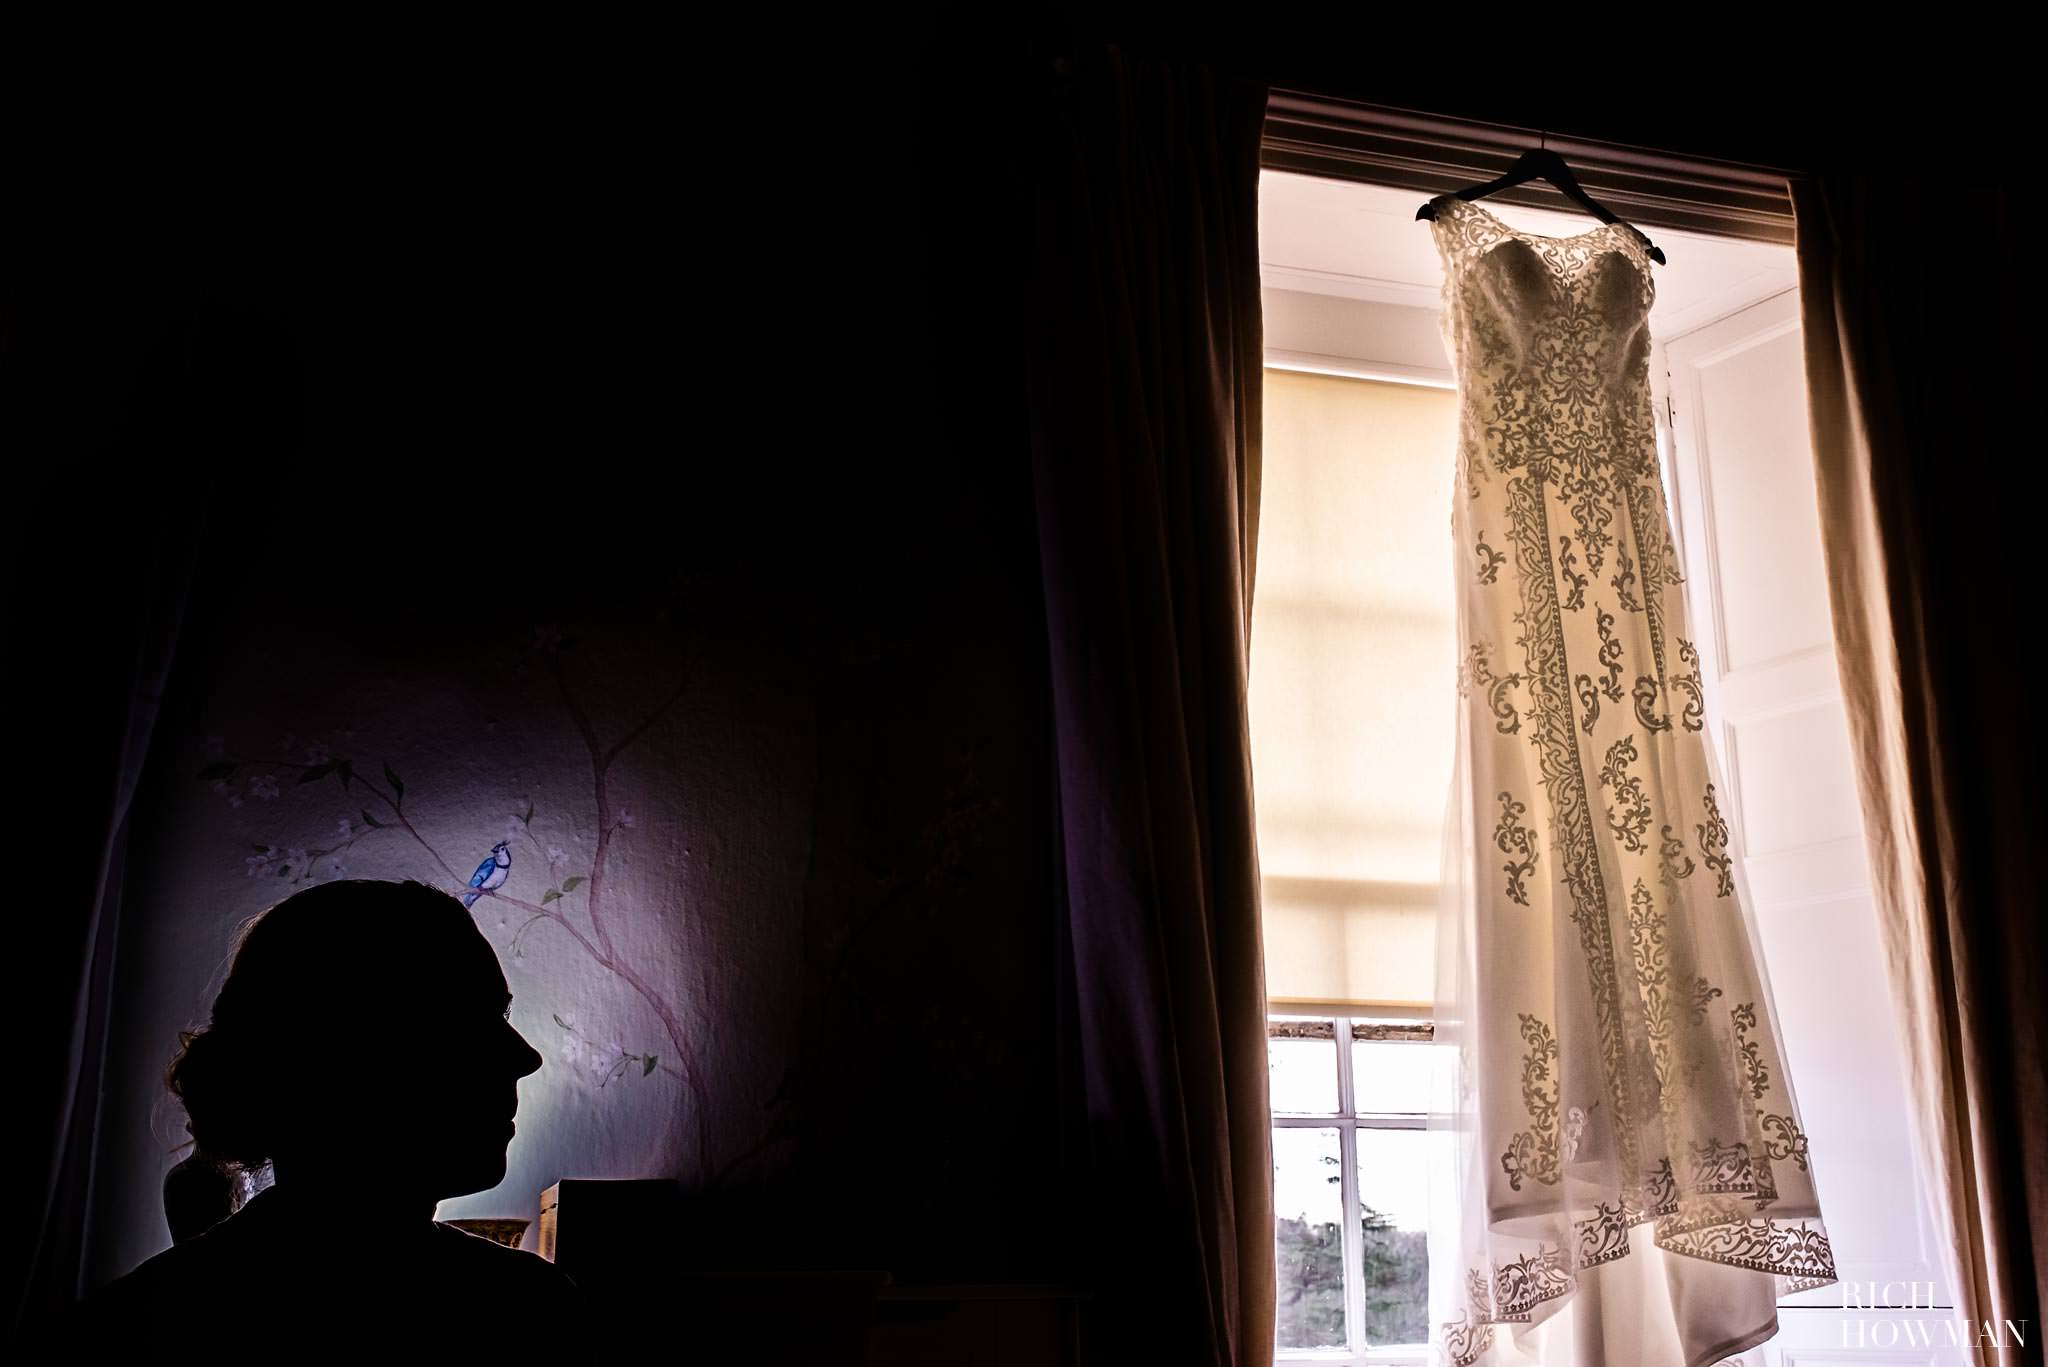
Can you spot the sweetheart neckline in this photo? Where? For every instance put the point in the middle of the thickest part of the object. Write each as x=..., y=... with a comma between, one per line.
x=1495, y=219
x=1638, y=258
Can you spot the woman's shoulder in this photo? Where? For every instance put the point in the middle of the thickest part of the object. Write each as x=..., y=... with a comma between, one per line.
x=521, y=1272
x=161, y=1275
x=130, y=1306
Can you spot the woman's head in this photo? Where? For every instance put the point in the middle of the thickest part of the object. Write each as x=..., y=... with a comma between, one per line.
x=362, y=1029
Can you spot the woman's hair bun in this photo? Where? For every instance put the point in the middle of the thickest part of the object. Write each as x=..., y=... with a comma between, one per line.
x=220, y=1085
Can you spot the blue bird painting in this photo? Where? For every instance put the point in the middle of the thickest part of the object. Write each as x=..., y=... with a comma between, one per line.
x=490, y=874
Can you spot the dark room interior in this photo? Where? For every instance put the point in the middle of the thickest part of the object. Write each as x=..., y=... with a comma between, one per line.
x=797, y=510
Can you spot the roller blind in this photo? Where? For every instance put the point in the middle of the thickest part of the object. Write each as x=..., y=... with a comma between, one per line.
x=1352, y=684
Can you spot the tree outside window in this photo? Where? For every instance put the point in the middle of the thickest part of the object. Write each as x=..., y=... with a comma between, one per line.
x=1350, y=1177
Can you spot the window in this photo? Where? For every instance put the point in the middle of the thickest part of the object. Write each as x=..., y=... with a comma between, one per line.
x=1351, y=1186
x=1352, y=701
x=1352, y=672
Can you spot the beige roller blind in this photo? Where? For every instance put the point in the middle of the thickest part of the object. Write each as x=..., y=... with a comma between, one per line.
x=1353, y=684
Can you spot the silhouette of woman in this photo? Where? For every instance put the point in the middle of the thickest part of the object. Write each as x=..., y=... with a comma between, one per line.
x=374, y=1083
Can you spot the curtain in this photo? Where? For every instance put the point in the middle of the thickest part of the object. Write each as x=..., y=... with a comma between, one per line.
x=100, y=589
x=1916, y=402
x=1145, y=375
x=168, y=376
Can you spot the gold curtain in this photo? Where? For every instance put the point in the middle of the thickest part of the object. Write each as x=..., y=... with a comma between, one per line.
x=1914, y=348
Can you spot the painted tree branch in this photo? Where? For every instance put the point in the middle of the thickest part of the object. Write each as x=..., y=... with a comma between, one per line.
x=597, y=944
x=594, y=896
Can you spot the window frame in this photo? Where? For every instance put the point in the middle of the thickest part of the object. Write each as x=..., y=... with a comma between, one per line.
x=1347, y=1120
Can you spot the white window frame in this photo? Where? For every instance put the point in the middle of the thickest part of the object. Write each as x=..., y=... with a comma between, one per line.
x=1347, y=1121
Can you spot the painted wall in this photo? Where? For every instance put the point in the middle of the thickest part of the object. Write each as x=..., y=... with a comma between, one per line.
x=542, y=512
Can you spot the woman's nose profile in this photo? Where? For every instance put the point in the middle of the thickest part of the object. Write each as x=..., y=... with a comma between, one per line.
x=366, y=1088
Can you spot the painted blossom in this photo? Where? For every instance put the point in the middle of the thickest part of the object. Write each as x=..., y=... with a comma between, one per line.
x=346, y=828
x=317, y=753
x=263, y=786
x=572, y=1045
x=604, y=1063
x=259, y=864
x=626, y=818
x=558, y=859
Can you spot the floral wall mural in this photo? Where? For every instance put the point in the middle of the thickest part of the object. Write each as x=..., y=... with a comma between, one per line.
x=573, y=903
x=763, y=853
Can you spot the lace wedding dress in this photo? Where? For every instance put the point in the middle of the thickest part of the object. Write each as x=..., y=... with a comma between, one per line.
x=1626, y=1179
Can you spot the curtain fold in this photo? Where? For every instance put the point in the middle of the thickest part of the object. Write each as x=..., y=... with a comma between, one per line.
x=112, y=618
x=165, y=394
x=1916, y=403
x=1146, y=367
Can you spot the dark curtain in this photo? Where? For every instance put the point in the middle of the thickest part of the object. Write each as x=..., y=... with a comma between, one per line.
x=1917, y=367
x=143, y=369
x=104, y=558
x=1145, y=380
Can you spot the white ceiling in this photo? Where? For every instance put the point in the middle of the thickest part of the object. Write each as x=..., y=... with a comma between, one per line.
x=1364, y=242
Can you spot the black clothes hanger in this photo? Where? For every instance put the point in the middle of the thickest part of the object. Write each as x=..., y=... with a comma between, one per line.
x=1541, y=161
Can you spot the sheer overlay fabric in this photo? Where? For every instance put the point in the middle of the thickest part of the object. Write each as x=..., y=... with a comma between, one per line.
x=1624, y=1176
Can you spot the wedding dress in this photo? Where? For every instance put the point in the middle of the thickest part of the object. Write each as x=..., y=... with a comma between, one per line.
x=1623, y=1177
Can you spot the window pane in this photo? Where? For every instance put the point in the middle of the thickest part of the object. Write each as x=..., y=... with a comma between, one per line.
x=1393, y=1186
x=1390, y=1075
x=1307, y=1214
x=1302, y=1074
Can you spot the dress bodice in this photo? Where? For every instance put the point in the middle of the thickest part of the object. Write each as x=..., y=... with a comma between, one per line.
x=1550, y=340
x=1512, y=297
